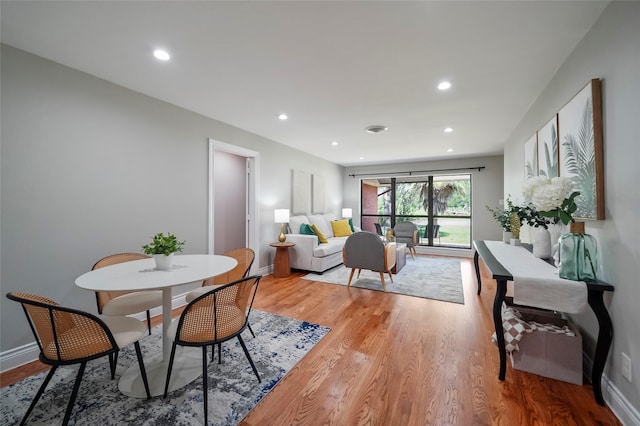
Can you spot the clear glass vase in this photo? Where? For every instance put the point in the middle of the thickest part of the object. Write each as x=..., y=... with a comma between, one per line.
x=578, y=254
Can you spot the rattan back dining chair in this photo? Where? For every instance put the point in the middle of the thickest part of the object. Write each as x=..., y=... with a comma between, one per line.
x=68, y=336
x=213, y=318
x=118, y=303
x=244, y=256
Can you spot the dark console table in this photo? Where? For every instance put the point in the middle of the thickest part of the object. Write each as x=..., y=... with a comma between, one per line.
x=595, y=299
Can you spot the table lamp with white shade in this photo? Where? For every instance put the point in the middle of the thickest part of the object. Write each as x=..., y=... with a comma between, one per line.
x=281, y=216
x=347, y=213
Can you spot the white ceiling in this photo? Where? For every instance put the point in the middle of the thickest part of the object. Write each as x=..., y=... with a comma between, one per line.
x=335, y=67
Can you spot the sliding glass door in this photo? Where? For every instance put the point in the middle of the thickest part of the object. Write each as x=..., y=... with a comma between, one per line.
x=440, y=206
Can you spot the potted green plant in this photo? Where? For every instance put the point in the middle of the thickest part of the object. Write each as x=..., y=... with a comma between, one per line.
x=503, y=217
x=162, y=248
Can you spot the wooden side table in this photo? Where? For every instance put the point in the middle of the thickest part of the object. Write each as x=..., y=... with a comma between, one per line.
x=401, y=258
x=281, y=267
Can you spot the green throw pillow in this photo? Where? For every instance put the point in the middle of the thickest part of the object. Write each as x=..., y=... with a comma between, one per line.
x=306, y=229
x=351, y=225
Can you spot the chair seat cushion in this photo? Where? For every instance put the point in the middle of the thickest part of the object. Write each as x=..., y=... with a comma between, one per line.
x=132, y=303
x=125, y=330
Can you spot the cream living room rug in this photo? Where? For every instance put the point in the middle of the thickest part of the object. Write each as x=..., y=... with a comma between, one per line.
x=426, y=277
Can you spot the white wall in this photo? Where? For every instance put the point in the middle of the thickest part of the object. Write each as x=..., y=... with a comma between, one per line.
x=486, y=188
x=610, y=51
x=90, y=168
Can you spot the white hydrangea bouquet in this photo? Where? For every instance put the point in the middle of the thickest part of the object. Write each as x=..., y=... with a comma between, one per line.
x=552, y=197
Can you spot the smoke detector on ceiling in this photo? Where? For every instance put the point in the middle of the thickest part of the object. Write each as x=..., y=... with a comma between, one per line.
x=376, y=129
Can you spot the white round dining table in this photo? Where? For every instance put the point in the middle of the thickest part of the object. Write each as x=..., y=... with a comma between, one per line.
x=138, y=275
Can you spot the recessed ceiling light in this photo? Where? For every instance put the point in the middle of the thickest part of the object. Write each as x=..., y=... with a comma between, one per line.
x=283, y=116
x=448, y=129
x=444, y=85
x=161, y=54
x=450, y=150
x=334, y=143
x=362, y=158
x=376, y=129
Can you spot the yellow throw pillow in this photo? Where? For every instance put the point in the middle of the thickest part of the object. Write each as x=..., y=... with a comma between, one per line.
x=320, y=235
x=341, y=228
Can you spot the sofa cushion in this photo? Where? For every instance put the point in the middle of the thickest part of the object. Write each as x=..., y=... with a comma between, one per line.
x=319, y=233
x=333, y=245
x=341, y=228
x=322, y=224
x=295, y=222
x=307, y=230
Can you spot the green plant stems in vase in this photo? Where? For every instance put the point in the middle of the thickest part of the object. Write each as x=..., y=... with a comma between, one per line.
x=578, y=254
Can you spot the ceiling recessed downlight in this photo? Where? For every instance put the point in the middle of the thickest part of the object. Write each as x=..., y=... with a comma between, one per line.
x=334, y=143
x=163, y=55
x=450, y=150
x=448, y=129
x=376, y=129
x=283, y=116
x=444, y=85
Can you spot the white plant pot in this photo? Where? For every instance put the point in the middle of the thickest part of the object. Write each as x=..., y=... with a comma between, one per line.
x=514, y=241
x=163, y=262
x=506, y=236
x=541, y=243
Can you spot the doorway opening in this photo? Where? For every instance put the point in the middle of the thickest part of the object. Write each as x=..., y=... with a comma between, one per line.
x=218, y=151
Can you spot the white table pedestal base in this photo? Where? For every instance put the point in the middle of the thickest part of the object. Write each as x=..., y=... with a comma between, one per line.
x=187, y=366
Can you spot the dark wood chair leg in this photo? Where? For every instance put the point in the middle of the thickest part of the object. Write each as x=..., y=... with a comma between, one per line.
x=246, y=352
x=113, y=362
x=205, y=384
x=149, y=321
x=39, y=394
x=173, y=354
x=143, y=371
x=74, y=393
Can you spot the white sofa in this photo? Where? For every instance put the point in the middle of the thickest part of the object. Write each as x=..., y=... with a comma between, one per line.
x=308, y=254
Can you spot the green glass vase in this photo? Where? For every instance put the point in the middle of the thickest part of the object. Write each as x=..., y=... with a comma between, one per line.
x=578, y=254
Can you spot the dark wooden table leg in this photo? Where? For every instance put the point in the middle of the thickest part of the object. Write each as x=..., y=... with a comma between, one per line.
x=475, y=263
x=605, y=336
x=501, y=291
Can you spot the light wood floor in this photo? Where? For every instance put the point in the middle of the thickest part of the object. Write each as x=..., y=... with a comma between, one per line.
x=398, y=360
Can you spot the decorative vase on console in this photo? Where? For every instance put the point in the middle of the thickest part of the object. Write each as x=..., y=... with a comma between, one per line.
x=578, y=254
x=541, y=243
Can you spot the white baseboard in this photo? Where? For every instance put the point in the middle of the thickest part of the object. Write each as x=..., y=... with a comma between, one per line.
x=30, y=352
x=616, y=401
x=621, y=407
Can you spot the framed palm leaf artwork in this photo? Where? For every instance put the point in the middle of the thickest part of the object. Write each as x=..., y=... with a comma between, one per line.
x=581, y=150
x=531, y=157
x=548, y=149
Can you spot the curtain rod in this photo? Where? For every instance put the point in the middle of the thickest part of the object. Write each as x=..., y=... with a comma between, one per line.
x=410, y=173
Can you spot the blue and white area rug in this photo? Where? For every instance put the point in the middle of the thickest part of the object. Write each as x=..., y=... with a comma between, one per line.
x=427, y=277
x=280, y=343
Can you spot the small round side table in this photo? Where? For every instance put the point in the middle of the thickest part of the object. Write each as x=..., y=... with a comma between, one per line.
x=281, y=267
